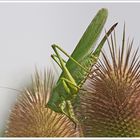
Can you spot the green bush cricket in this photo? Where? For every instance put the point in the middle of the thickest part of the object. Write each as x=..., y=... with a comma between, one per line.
x=82, y=60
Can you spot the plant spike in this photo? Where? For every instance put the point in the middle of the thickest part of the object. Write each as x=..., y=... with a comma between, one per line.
x=29, y=117
x=110, y=103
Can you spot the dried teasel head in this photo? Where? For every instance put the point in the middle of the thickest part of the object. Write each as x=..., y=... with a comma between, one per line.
x=111, y=103
x=30, y=118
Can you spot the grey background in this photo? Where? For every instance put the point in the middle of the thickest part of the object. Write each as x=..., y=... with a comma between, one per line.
x=28, y=30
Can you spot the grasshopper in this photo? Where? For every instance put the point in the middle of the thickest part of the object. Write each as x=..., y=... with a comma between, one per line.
x=82, y=60
x=66, y=84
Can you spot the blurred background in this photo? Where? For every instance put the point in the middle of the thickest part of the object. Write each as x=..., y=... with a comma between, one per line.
x=27, y=31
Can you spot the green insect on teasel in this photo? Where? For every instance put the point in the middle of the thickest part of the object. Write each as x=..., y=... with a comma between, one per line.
x=101, y=16
x=83, y=54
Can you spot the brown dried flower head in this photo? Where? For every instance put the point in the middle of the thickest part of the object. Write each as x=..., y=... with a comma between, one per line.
x=111, y=104
x=30, y=118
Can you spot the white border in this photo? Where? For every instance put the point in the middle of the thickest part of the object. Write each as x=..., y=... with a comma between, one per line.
x=69, y=1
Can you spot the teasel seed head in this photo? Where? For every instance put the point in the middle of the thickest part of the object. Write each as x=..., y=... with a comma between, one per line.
x=30, y=118
x=111, y=103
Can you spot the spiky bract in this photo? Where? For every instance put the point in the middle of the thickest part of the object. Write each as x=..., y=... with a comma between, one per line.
x=111, y=104
x=30, y=118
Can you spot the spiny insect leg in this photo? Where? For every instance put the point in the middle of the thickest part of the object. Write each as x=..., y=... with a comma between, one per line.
x=63, y=106
x=71, y=112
